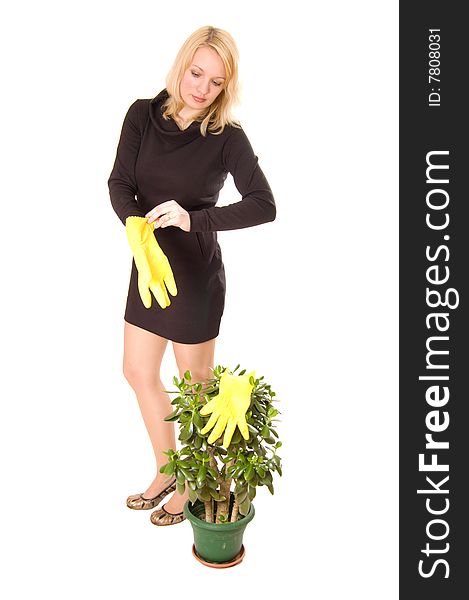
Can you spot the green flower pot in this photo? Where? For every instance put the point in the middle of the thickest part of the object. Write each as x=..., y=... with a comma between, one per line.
x=216, y=542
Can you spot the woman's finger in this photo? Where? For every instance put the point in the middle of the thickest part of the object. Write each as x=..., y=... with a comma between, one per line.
x=162, y=208
x=172, y=219
x=167, y=219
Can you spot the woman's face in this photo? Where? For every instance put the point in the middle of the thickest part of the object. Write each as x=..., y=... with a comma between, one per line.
x=204, y=79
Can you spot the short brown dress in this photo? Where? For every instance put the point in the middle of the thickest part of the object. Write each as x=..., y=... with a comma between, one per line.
x=156, y=161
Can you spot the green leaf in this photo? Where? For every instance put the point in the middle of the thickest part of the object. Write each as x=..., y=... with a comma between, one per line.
x=186, y=432
x=244, y=507
x=201, y=476
x=187, y=474
x=259, y=406
x=168, y=469
x=185, y=417
x=241, y=497
x=252, y=493
x=236, y=437
x=176, y=381
x=249, y=473
x=180, y=488
x=197, y=419
x=231, y=470
x=261, y=472
x=187, y=375
x=174, y=416
x=192, y=495
x=238, y=487
x=204, y=494
x=216, y=495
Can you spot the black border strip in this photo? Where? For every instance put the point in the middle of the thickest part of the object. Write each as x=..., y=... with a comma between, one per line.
x=434, y=240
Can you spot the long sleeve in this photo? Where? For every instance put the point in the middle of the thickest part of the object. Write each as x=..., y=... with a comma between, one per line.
x=122, y=183
x=257, y=204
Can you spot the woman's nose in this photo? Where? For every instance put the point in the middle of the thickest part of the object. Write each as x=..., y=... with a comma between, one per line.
x=202, y=89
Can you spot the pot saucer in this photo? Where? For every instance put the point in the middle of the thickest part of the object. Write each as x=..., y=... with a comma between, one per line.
x=236, y=560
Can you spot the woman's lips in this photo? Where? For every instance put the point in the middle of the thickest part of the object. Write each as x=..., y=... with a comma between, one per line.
x=198, y=99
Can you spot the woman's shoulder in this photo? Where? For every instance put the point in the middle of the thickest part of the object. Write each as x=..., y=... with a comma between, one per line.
x=138, y=111
x=235, y=135
x=232, y=133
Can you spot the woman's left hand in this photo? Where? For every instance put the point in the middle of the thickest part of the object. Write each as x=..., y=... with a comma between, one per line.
x=169, y=213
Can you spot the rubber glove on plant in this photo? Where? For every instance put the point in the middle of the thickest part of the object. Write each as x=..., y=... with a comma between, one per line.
x=229, y=407
x=154, y=270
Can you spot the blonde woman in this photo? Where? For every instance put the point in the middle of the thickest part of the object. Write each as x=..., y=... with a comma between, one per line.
x=173, y=156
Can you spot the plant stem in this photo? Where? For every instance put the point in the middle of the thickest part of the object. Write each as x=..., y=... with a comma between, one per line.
x=208, y=511
x=234, y=512
x=224, y=506
x=214, y=465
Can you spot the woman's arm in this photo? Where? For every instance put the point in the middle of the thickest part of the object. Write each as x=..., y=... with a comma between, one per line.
x=122, y=183
x=257, y=204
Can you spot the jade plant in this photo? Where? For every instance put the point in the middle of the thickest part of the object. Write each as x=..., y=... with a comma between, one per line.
x=210, y=469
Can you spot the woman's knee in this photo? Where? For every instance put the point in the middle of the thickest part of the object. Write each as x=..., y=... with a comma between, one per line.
x=139, y=376
x=197, y=375
x=143, y=354
x=196, y=358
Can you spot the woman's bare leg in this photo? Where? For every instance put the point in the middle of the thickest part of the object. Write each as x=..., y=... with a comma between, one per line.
x=197, y=358
x=143, y=353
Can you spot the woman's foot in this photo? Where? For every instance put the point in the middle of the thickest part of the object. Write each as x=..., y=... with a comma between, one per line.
x=176, y=502
x=171, y=512
x=160, y=482
x=158, y=492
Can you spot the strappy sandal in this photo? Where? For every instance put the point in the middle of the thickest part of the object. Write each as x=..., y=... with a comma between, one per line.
x=163, y=517
x=138, y=502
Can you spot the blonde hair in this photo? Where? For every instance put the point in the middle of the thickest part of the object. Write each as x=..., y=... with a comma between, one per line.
x=218, y=114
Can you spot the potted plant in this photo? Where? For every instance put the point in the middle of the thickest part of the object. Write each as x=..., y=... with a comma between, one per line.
x=222, y=474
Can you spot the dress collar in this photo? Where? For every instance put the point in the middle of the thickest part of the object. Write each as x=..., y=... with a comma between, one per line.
x=169, y=128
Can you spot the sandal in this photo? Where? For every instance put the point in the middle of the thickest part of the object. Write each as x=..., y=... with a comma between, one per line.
x=138, y=502
x=163, y=517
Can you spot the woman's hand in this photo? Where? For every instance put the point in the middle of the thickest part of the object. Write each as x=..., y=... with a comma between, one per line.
x=169, y=213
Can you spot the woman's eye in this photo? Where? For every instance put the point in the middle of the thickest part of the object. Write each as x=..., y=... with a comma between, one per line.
x=198, y=75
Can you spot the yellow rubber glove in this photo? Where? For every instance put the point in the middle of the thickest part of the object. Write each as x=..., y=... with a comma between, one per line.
x=229, y=407
x=154, y=270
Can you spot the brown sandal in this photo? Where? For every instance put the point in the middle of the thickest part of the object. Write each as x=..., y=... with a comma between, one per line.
x=163, y=517
x=138, y=502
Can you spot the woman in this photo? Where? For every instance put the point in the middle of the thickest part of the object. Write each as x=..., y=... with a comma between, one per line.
x=173, y=157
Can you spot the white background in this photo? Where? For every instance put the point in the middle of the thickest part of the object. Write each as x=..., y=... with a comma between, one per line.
x=311, y=300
